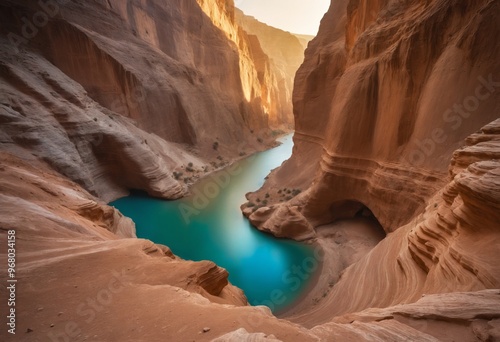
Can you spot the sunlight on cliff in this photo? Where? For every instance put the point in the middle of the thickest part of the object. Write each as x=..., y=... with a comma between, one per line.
x=296, y=16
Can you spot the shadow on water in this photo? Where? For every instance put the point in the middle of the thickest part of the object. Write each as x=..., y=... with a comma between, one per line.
x=209, y=225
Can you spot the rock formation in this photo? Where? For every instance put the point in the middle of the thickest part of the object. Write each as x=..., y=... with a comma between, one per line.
x=451, y=247
x=83, y=276
x=282, y=54
x=98, y=97
x=115, y=85
x=269, y=58
x=387, y=92
x=382, y=100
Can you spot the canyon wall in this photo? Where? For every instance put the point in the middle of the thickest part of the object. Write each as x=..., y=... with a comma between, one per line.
x=269, y=58
x=388, y=90
x=83, y=275
x=283, y=53
x=450, y=247
x=385, y=104
x=126, y=93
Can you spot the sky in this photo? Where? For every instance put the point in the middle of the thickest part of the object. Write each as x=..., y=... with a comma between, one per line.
x=295, y=16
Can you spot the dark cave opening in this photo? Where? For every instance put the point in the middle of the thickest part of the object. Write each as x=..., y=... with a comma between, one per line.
x=355, y=210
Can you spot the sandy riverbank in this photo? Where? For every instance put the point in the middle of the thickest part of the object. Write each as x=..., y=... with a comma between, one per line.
x=342, y=243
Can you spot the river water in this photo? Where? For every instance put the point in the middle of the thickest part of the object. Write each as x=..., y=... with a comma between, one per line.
x=209, y=225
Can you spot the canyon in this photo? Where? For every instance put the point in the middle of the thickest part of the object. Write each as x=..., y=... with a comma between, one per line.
x=118, y=84
x=395, y=112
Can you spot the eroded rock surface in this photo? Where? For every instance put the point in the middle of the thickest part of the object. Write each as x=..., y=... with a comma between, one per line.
x=388, y=90
x=385, y=104
x=79, y=262
x=76, y=131
x=119, y=95
x=451, y=247
x=79, y=280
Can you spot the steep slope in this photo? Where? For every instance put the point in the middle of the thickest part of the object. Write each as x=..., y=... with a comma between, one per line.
x=266, y=69
x=285, y=55
x=82, y=274
x=155, y=84
x=76, y=130
x=387, y=95
x=452, y=246
x=46, y=115
x=387, y=92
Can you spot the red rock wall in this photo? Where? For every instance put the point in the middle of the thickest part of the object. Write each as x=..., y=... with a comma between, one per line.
x=387, y=92
x=451, y=247
x=164, y=67
x=385, y=109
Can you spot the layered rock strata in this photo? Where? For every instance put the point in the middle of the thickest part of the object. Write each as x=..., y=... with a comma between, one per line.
x=81, y=275
x=450, y=247
x=388, y=90
x=388, y=94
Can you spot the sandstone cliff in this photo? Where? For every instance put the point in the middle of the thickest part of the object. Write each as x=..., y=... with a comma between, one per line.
x=269, y=58
x=451, y=247
x=79, y=259
x=125, y=93
x=387, y=92
x=285, y=54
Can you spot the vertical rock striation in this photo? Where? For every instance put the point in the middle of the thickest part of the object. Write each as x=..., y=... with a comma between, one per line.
x=387, y=92
x=154, y=84
x=268, y=60
x=282, y=54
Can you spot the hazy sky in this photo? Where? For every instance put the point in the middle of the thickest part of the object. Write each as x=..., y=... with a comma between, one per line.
x=296, y=16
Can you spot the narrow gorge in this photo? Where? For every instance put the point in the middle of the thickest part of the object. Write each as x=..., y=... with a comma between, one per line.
x=135, y=135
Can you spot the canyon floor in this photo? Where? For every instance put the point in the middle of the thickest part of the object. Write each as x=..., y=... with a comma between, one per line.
x=337, y=246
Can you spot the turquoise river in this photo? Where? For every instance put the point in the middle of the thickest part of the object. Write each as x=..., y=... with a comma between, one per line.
x=209, y=225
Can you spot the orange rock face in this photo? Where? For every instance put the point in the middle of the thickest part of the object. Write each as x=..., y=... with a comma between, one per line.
x=451, y=247
x=80, y=269
x=82, y=275
x=385, y=105
x=281, y=55
x=266, y=75
x=130, y=91
x=382, y=100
